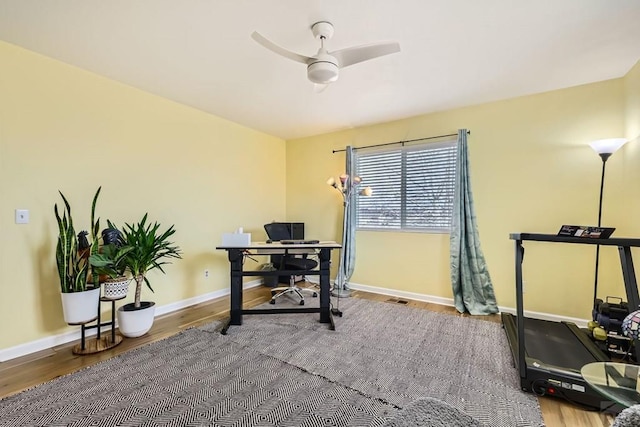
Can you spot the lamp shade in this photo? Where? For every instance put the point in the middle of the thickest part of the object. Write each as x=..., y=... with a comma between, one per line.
x=607, y=146
x=631, y=325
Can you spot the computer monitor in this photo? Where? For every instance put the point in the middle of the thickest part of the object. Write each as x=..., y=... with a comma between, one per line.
x=277, y=231
x=295, y=230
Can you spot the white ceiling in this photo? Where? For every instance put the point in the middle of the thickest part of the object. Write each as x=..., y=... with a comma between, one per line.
x=453, y=52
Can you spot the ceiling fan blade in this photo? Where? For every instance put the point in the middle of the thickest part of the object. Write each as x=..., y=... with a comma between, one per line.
x=277, y=49
x=353, y=55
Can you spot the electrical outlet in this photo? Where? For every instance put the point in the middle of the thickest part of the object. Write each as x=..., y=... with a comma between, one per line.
x=22, y=216
x=206, y=274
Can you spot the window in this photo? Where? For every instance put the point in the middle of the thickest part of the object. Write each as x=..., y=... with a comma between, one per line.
x=413, y=187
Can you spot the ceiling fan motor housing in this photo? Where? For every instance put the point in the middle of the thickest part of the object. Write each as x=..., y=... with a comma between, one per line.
x=322, y=29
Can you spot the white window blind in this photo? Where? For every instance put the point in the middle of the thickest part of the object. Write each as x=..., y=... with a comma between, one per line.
x=413, y=187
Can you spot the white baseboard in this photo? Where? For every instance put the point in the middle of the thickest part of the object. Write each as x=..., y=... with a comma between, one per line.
x=401, y=294
x=56, y=340
x=582, y=323
x=67, y=337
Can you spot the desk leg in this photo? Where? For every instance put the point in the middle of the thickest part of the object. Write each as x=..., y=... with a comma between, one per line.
x=325, y=292
x=235, y=259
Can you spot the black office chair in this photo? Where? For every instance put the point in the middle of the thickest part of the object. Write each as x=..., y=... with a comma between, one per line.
x=280, y=231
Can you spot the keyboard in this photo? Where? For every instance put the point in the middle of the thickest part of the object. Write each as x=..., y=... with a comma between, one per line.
x=299, y=242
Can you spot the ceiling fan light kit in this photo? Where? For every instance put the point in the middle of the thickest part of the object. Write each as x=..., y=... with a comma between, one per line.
x=322, y=72
x=324, y=67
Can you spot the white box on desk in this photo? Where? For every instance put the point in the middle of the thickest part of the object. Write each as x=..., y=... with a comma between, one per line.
x=236, y=239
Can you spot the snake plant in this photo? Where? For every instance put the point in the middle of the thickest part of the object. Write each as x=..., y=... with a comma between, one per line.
x=72, y=261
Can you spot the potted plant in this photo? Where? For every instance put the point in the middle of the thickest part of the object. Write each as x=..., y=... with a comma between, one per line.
x=110, y=262
x=150, y=249
x=80, y=300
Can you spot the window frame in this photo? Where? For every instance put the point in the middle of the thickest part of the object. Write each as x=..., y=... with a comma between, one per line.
x=450, y=144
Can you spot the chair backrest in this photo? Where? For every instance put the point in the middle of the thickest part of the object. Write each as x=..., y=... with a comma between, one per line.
x=277, y=231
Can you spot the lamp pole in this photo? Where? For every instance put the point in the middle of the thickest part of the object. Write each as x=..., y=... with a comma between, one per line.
x=604, y=157
x=605, y=148
x=348, y=186
x=340, y=290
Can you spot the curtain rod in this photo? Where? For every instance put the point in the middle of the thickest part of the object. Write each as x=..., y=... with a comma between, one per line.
x=402, y=142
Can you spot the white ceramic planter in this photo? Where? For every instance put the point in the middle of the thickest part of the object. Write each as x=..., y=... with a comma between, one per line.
x=80, y=307
x=116, y=288
x=136, y=323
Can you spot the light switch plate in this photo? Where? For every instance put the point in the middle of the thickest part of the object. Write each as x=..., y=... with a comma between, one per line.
x=22, y=216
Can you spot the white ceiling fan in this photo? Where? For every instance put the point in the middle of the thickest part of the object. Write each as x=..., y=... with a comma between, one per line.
x=323, y=68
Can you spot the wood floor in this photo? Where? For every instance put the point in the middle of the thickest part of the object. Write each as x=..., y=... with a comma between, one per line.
x=24, y=372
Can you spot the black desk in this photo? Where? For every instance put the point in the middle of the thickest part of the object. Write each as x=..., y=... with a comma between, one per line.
x=236, y=256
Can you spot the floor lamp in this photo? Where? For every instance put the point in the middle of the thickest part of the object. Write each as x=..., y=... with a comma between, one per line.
x=605, y=148
x=348, y=187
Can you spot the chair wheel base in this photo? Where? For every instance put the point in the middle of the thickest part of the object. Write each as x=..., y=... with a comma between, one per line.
x=272, y=301
x=302, y=302
x=315, y=295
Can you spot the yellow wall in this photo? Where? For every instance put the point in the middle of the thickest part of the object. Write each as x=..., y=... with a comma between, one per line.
x=631, y=207
x=531, y=171
x=62, y=128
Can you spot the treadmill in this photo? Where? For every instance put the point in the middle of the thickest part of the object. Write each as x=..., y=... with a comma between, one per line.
x=549, y=355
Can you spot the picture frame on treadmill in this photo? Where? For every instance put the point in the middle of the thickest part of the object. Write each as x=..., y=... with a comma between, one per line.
x=587, y=232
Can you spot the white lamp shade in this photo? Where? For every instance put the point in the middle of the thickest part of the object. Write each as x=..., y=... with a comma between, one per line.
x=366, y=191
x=608, y=146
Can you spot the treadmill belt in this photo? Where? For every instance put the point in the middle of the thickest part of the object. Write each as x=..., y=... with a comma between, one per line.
x=555, y=344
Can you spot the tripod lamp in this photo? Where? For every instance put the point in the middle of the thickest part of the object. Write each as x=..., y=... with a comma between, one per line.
x=348, y=186
x=605, y=148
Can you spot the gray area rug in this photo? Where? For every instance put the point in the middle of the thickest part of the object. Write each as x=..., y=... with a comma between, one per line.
x=400, y=354
x=290, y=370
x=433, y=413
